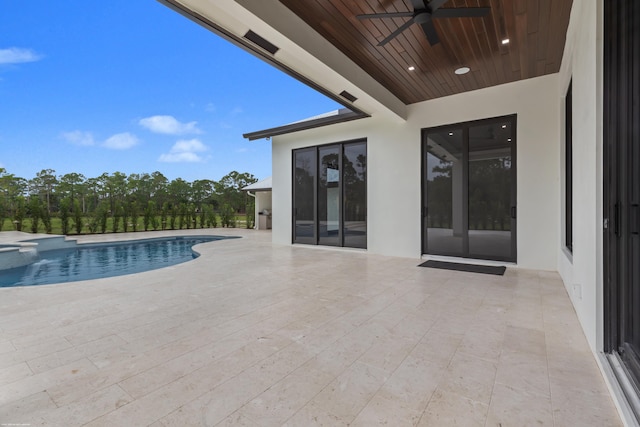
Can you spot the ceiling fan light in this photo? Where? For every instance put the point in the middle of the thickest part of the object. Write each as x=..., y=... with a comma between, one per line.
x=462, y=70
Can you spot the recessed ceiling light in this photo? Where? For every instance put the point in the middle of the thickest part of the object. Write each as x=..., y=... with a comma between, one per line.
x=508, y=139
x=450, y=133
x=462, y=70
x=505, y=41
x=411, y=68
x=504, y=126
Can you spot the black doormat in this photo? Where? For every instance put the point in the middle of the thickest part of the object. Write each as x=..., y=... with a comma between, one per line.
x=472, y=268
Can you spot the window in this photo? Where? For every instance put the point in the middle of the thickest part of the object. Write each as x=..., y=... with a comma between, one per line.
x=330, y=195
x=568, y=171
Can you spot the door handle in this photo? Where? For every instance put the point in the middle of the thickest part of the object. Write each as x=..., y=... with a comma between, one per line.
x=513, y=212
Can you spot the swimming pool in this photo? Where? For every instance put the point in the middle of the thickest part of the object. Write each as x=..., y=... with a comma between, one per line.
x=95, y=261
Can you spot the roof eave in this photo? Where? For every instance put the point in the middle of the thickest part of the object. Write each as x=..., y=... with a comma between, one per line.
x=306, y=125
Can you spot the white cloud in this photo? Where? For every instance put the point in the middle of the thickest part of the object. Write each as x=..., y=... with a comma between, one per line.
x=169, y=125
x=236, y=111
x=16, y=55
x=121, y=141
x=191, y=145
x=184, y=151
x=78, y=137
x=180, y=158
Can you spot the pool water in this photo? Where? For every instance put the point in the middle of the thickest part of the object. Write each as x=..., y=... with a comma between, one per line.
x=96, y=261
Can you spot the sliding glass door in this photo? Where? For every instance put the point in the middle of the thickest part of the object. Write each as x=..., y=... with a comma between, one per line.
x=329, y=185
x=304, y=187
x=329, y=195
x=621, y=198
x=469, y=190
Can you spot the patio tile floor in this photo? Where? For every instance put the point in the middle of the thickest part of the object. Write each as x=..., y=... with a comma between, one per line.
x=259, y=335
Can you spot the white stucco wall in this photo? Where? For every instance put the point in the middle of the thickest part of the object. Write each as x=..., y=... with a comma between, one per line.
x=394, y=167
x=582, y=271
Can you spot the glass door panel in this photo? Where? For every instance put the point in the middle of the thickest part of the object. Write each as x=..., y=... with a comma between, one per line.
x=444, y=192
x=469, y=190
x=354, y=165
x=329, y=195
x=490, y=191
x=304, y=184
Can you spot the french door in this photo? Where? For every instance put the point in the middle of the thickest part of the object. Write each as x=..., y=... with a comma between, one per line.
x=621, y=173
x=469, y=189
x=330, y=195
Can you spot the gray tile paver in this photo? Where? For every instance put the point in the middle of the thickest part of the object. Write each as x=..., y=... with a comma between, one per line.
x=255, y=334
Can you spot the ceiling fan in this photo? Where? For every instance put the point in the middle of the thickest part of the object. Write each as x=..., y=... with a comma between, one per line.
x=424, y=14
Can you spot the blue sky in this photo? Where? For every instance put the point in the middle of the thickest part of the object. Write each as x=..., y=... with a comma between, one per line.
x=132, y=86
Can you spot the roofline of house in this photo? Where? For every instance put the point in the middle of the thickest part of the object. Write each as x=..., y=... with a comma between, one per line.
x=344, y=115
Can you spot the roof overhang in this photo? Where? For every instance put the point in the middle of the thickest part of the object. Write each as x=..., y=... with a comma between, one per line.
x=302, y=52
x=260, y=186
x=339, y=116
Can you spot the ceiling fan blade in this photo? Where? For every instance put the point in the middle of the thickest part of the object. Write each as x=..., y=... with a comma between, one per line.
x=396, y=32
x=430, y=31
x=436, y=4
x=462, y=12
x=418, y=4
x=386, y=15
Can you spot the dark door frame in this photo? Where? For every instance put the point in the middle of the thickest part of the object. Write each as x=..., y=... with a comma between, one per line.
x=294, y=211
x=315, y=239
x=621, y=165
x=465, y=126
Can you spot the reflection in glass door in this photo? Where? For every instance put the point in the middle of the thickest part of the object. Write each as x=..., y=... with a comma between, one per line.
x=444, y=184
x=491, y=191
x=330, y=195
x=304, y=184
x=354, y=164
x=469, y=190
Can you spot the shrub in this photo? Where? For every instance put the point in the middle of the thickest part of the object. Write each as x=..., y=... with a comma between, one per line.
x=18, y=214
x=3, y=213
x=148, y=218
x=116, y=215
x=102, y=215
x=64, y=216
x=34, y=213
x=164, y=213
x=227, y=217
x=46, y=220
x=183, y=215
x=210, y=217
x=77, y=216
x=134, y=214
x=174, y=216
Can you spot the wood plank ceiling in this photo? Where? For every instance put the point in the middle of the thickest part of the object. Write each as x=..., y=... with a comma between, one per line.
x=536, y=30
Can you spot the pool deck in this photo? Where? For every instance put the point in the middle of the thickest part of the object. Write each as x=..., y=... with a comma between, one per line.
x=255, y=334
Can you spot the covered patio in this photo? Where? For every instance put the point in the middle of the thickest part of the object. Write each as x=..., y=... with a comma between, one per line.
x=252, y=334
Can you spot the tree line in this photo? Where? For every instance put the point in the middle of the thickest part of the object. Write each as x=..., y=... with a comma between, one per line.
x=117, y=202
